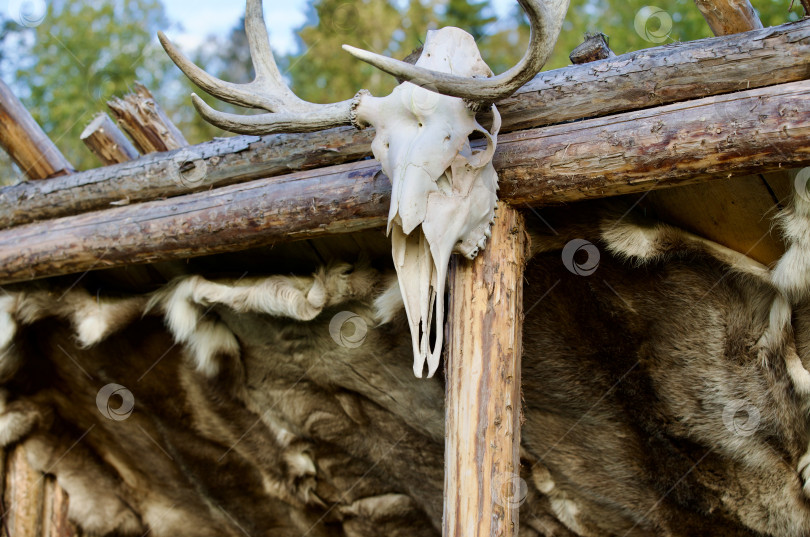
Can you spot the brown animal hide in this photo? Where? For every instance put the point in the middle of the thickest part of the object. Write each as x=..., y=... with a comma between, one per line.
x=663, y=396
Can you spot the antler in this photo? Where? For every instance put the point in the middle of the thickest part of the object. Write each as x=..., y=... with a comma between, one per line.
x=267, y=91
x=546, y=18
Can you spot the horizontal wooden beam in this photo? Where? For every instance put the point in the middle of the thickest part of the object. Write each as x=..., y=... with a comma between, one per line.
x=642, y=79
x=716, y=137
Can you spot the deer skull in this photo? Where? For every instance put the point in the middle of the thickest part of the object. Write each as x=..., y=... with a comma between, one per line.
x=444, y=192
x=444, y=195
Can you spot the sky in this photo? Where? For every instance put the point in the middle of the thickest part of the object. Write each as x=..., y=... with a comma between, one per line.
x=204, y=17
x=201, y=18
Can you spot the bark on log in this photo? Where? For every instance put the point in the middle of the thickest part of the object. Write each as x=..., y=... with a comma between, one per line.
x=732, y=212
x=482, y=486
x=146, y=123
x=642, y=79
x=726, y=17
x=25, y=142
x=106, y=141
x=595, y=47
x=633, y=152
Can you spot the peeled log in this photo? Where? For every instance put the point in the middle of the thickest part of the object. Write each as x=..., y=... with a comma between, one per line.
x=482, y=487
x=641, y=79
x=727, y=17
x=25, y=142
x=107, y=142
x=634, y=152
x=146, y=123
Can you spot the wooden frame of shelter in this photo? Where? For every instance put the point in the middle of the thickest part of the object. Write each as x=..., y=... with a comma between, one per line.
x=732, y=118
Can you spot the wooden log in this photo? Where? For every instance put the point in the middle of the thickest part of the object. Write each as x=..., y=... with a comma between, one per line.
x=731, y=212
x=726, y=17
x=641, y=79
x=146, y=123
x=24, y=496
x=106, y=141
x=482, y=486
x=633, y=152
x=25, y=142
x=595, y=47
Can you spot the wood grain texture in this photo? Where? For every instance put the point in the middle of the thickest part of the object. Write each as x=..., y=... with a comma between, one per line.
x=106, y=141
x=24, y=496
x=629, y=153
x=25, y=142
x=595, y=47
x=736, y=212
x=726, y=17
x=482, y=488
x=146, y=123
x=641, y=79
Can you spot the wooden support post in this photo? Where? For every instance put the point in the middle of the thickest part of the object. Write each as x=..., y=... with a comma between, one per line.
x=146, y=123
x=106, y=141
x=26, y=143
x=482, y=487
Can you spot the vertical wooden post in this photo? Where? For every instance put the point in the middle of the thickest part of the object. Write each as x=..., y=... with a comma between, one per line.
x=484, y=345
x=26, y=143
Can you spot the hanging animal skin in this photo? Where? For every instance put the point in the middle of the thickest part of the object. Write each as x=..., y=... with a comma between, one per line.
x=444, y=191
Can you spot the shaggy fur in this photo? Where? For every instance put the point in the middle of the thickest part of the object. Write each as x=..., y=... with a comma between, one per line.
x=665, y=394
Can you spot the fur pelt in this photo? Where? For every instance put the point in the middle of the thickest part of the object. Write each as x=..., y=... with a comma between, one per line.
x=665, y=393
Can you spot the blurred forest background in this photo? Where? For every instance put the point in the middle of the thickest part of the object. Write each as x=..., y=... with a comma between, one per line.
x=83, y=52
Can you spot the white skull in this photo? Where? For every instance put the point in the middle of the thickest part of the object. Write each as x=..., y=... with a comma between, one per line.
x=444, y=194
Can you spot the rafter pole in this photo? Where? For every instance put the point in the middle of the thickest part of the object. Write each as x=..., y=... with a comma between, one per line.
x=25, y=141
x=634, y=152
x=628, y=82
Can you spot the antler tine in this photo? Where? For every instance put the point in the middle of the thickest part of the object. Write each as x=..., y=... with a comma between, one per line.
x=239, y=94
x=268, y=91
x=325, y=116
x=259, y=42
x=546, y=18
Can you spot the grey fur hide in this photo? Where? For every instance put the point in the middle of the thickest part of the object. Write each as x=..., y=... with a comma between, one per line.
x=663, y=396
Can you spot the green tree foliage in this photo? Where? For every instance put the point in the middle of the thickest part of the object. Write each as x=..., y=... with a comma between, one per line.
x=82, y=53
x=322, y=72
x=78, y=57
